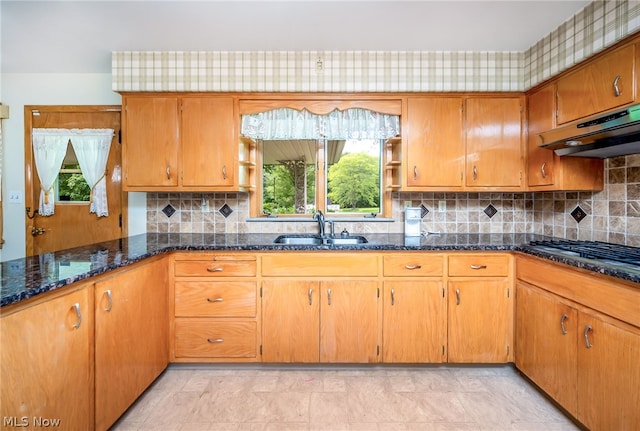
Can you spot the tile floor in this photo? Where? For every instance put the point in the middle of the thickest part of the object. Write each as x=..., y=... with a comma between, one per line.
x=342, y=398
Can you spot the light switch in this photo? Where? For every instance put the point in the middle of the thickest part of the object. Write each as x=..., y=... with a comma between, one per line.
x=15, y=197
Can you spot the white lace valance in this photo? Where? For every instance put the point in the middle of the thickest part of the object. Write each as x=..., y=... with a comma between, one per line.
x=287, y=123
x=92, y=150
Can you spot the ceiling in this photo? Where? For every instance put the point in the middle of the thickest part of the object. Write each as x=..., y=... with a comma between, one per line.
x=79, y=36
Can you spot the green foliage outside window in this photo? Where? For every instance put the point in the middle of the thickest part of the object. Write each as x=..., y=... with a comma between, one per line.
x=72, y=186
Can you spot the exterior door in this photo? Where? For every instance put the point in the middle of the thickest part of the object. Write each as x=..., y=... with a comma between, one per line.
x=73, y=225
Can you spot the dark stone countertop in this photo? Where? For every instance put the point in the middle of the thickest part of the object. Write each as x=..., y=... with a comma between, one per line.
x=25, y=278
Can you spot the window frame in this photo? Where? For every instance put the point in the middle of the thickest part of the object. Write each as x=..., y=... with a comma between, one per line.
x=318, y=104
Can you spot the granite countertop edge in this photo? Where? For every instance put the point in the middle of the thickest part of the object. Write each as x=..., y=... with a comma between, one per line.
x=32, y=276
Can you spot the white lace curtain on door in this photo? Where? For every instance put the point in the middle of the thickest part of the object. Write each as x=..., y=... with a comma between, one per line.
x=92, y=150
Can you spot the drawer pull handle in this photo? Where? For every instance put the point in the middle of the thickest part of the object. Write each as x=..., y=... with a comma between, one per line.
x=393, y=297
x=215, y=340
x=310, y=293
x=478, y=266
x=110, y=299
x=76, y=307
x=168, y=172
x=415, y=172
x=215, y=299
x=587, y=329
x=457, y=296
x=562, y=327
x=216, y=269
x=616, y=89
x=224, y=172
x=328, y=296
x=544, y=173
x=475, y=172
x=412, y=267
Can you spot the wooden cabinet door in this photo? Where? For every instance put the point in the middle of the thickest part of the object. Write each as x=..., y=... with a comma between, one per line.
x=45, y=364
x=609, y=375
x=494, y=142
x=150, y=146
x=209, y=150
x=131, y=337
x=546, y=344
x=349, y=321
x=414, y=320
x=600, y=85
x=435, y=151
x=541, y=108
x=478, y=321
x=290, y=321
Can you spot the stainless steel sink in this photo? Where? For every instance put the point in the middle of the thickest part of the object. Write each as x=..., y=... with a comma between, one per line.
x=299, y=239
x=348, y=240
x=302, y=239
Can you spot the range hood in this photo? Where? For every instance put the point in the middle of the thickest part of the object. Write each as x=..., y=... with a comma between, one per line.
x=616, y=133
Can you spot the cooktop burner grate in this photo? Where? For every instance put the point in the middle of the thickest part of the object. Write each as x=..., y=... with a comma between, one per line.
x=595, y=250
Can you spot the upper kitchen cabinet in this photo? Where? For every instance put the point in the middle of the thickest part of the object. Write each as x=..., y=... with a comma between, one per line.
x=209, y=150
x=150, y=147
x=604, y=83
x=435, y=150
x=179, y=143
x=546, y=170
x=494, y=158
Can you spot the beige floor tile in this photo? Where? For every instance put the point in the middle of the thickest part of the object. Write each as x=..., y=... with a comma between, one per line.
x=328, y=398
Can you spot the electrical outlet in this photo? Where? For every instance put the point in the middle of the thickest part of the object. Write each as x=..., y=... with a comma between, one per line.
x=442, y=206
x=407, y=204
x=15, y=197
x=319, y=64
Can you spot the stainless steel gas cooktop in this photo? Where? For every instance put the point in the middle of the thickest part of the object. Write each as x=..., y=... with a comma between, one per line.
x=615, y=255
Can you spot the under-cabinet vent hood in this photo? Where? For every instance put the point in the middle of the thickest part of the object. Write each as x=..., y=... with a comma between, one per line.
x=616, y=133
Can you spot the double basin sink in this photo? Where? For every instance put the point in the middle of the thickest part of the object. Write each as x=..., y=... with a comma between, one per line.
x=302, y=239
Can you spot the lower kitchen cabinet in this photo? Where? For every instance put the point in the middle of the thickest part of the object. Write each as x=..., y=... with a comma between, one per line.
x=608, y=374
x=414, y=322
x=326, y=321
x=571, y=346
x=349, y=321
x=131, y=337
x=546, y=344
x=45, y=360
x=480, y=308
x=290, y=321
x=215, y=308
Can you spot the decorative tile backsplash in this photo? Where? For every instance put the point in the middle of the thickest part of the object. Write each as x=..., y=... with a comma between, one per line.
x=598, y=25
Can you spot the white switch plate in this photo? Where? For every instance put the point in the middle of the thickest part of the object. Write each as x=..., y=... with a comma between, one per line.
x=15, y=197
x=442, y=206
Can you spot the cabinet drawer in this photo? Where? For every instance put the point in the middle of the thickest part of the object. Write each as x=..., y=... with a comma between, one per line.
x=215, y=268
x=320, y=265
x=413, y=265
x=215, y=298
x=479, y=265
x=210, y=338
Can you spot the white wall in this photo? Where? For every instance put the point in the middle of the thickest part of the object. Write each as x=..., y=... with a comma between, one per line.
x=19, y=90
